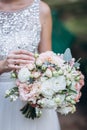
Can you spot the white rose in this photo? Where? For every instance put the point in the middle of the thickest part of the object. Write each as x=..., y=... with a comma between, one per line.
x=31, y=66
x=46, y=89
x=23, y=74
x=48, y=103
x=48, y=73
x=59, y=83
x=53, y=85
x=48, y=93
x=38, y=62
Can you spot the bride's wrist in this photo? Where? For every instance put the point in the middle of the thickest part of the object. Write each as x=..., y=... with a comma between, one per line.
x=2, y=67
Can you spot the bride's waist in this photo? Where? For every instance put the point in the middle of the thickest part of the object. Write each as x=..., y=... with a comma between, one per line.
x=6, y=77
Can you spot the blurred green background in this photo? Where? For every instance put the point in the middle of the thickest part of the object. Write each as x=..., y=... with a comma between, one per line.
x=70, y=31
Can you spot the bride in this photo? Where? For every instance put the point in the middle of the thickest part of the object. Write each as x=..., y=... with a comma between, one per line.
x=25, y=27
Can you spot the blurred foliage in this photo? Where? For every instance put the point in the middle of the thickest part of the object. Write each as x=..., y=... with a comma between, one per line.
x=61, y=37
x=73, y=13
x=77, y=26
x=59, y=2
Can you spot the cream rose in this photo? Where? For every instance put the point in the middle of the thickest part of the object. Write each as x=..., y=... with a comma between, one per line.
x=24, y=74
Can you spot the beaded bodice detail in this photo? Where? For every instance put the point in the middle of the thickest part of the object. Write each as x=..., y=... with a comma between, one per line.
x=20, y=30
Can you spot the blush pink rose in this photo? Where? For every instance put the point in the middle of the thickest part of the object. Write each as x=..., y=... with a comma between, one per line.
x=51, y=57
x=81, y=82
x=24, y=90
x=78, y=97
x=46, y=56
x=29, y=92
x=78, y=86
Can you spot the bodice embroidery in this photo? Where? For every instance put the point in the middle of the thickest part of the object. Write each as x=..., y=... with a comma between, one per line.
x=20, y=30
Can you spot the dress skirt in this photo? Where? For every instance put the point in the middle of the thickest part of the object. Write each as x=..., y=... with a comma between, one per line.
x=12, y=119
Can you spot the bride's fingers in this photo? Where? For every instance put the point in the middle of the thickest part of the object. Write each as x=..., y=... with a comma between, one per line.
x=12, y=66
x=19, y=61
x=20, y=56
x=17, y=65
x=23, y=52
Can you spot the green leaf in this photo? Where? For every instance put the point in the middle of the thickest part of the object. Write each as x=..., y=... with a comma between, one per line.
x=72, y=91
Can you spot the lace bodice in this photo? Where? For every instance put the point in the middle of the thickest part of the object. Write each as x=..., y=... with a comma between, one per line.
x=20, y=30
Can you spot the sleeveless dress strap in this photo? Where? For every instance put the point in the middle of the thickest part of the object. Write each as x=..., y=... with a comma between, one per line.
x=37, y=9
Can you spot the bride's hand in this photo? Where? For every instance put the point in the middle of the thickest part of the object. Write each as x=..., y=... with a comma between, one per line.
x=15, y=59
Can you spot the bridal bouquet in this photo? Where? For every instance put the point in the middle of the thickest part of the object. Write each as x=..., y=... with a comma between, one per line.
x=53, y=81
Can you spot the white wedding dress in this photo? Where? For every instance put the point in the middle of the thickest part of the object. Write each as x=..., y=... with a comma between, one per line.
x=21, y=30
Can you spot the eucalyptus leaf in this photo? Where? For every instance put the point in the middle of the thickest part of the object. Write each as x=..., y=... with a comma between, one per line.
x=67, y=55
x=77, y=65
